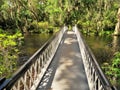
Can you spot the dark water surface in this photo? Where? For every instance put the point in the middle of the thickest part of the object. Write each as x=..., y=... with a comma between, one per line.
x=103, y=48
x=32, y=43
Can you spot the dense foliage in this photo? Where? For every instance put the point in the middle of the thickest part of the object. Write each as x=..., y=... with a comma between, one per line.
x=9, y=52
x=99, y=16
x=92, y=16
x=112, y=69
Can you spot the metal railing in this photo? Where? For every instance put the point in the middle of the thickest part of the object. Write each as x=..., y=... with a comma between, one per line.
x=31, y=73
x=95, y=76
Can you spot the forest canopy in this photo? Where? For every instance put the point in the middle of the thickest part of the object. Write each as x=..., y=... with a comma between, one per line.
x=97, y=17
x=93, y=16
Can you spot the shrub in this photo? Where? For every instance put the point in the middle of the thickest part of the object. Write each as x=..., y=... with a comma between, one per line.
x=9, y=53
x=112, y=69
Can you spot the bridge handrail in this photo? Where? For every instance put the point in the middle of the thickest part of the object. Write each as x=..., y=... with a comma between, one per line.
x=30, y=74
x=96, y=78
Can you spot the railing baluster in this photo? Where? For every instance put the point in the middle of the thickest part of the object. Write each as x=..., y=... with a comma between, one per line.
x=30, y=74
x=95, y=76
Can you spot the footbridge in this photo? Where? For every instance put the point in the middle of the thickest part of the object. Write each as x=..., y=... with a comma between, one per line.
x=64, y=62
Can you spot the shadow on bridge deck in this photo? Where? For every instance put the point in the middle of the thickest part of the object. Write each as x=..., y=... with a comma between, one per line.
x=66, y=72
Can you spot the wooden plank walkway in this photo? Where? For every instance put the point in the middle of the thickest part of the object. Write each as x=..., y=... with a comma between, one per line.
x=66, y=72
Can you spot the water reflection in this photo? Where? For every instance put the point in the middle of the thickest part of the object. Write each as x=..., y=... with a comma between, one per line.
x=101, y=47
x=104, y=48
x=32, y=43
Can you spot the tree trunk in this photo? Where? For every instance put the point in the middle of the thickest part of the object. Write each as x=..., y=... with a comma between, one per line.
x=115, y=44
x=117, y=28
x=25, y=27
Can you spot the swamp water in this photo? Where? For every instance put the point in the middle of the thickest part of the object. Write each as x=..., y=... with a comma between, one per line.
x=32, y=42
x=104, y=48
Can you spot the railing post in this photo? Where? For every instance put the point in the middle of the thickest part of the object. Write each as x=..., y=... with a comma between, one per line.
x=3, y=83
x=30, y=74
x=95, y=76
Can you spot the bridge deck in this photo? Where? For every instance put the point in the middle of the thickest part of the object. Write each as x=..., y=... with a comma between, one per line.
x=66, y=72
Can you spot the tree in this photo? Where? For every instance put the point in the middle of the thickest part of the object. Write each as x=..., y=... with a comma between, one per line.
x=117, y=28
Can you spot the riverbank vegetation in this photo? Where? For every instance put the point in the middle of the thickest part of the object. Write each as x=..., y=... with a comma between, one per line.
x=9, y=51
x=112, y=69
x=93, y=17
